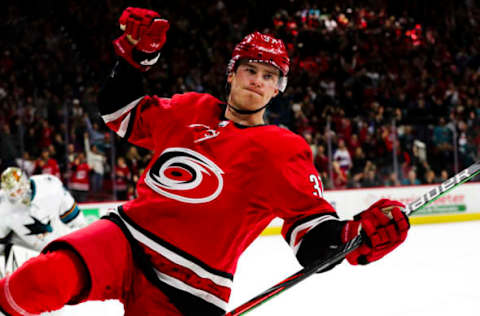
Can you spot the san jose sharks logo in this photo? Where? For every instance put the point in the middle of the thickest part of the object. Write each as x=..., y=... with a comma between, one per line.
x=38, y=228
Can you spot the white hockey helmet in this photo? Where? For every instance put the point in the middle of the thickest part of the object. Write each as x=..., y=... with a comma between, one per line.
x=16, y=185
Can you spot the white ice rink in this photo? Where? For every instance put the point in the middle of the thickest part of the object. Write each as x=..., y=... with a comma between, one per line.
x=435, y=272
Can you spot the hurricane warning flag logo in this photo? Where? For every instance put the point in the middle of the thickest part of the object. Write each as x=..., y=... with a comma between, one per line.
x=185, y=175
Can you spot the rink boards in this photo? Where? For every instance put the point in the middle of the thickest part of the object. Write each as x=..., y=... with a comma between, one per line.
x=461, y=204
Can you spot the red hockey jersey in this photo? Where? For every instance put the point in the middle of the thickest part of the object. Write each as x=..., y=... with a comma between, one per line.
x=80, y=177
x=211, y=188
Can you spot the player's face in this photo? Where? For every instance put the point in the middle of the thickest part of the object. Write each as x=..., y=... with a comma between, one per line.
x=253, y=85
x=16, y=185
x=18, y=192
x=16, y=195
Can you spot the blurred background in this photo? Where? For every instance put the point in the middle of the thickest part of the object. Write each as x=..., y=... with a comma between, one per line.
x=385, y=92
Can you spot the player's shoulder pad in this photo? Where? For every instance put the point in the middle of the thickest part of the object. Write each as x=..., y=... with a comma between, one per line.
x=283, y=144
x=46, y=186
x=46, y=179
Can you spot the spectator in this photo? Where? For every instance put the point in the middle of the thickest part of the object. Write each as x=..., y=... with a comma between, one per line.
x=353, y=144
x=71, y=154
x=133, y=159
x=370, y=178
x=466, y=148
x=46, y=165
x=342, y=156
x=339, y=176
x=96, y=161
x=443, y=176
x=122, y=179
x=77, y=110
x=46, y=133
x=392, y=180
x=94, y=134
x=309, y=139
x=442, y=136
x=26, y=163
x=411, y=178
x=321, y=161
x=79, y=183
x=430, y=177
x=31, y=141
x=358, y=167
x=359, y=161
x=131, y=192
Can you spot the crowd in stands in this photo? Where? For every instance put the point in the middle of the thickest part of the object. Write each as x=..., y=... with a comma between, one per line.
x=383, y=99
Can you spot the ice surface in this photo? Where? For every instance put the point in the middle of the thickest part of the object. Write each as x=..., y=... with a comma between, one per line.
x=435, y=272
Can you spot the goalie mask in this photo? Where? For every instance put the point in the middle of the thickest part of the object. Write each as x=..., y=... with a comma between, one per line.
x=16, y=185
x=262, y=48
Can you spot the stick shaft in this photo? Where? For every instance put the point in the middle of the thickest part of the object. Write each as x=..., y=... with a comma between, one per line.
x=418, y=204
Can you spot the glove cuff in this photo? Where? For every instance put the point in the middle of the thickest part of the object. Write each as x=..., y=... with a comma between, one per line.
x=350, y=230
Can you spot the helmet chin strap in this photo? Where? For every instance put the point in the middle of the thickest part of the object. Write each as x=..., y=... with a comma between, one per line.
x=246, y=111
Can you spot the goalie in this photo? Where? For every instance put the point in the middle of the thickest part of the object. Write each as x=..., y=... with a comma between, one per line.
x=33, y=212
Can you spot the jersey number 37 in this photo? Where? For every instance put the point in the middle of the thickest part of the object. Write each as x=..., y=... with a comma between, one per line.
x=317, y=185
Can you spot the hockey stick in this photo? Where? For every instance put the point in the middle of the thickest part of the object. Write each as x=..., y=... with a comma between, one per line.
x=319, y=265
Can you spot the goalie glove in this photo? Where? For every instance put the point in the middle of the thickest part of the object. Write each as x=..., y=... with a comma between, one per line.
x=383, y=227
x=144, y=35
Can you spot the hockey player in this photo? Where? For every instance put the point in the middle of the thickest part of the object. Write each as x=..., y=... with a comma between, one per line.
x=34, y=211
x=218, y=176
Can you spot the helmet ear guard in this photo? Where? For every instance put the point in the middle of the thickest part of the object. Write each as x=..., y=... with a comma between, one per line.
x=282, y=83
x=16, y=185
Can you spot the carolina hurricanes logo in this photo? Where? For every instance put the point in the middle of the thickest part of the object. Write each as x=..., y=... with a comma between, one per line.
x=185, y=175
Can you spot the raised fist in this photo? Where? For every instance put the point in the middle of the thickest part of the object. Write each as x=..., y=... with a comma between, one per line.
x=144, y=36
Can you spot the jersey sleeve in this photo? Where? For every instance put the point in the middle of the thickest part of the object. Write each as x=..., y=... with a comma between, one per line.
x=299, y=201
x=70, y=214
x=126, y=109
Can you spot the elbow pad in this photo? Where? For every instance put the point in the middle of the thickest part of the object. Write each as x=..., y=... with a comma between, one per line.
x=321, y=242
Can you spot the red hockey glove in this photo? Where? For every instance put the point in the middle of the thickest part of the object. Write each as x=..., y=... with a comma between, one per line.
x=145, y=34
x=383, y=227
